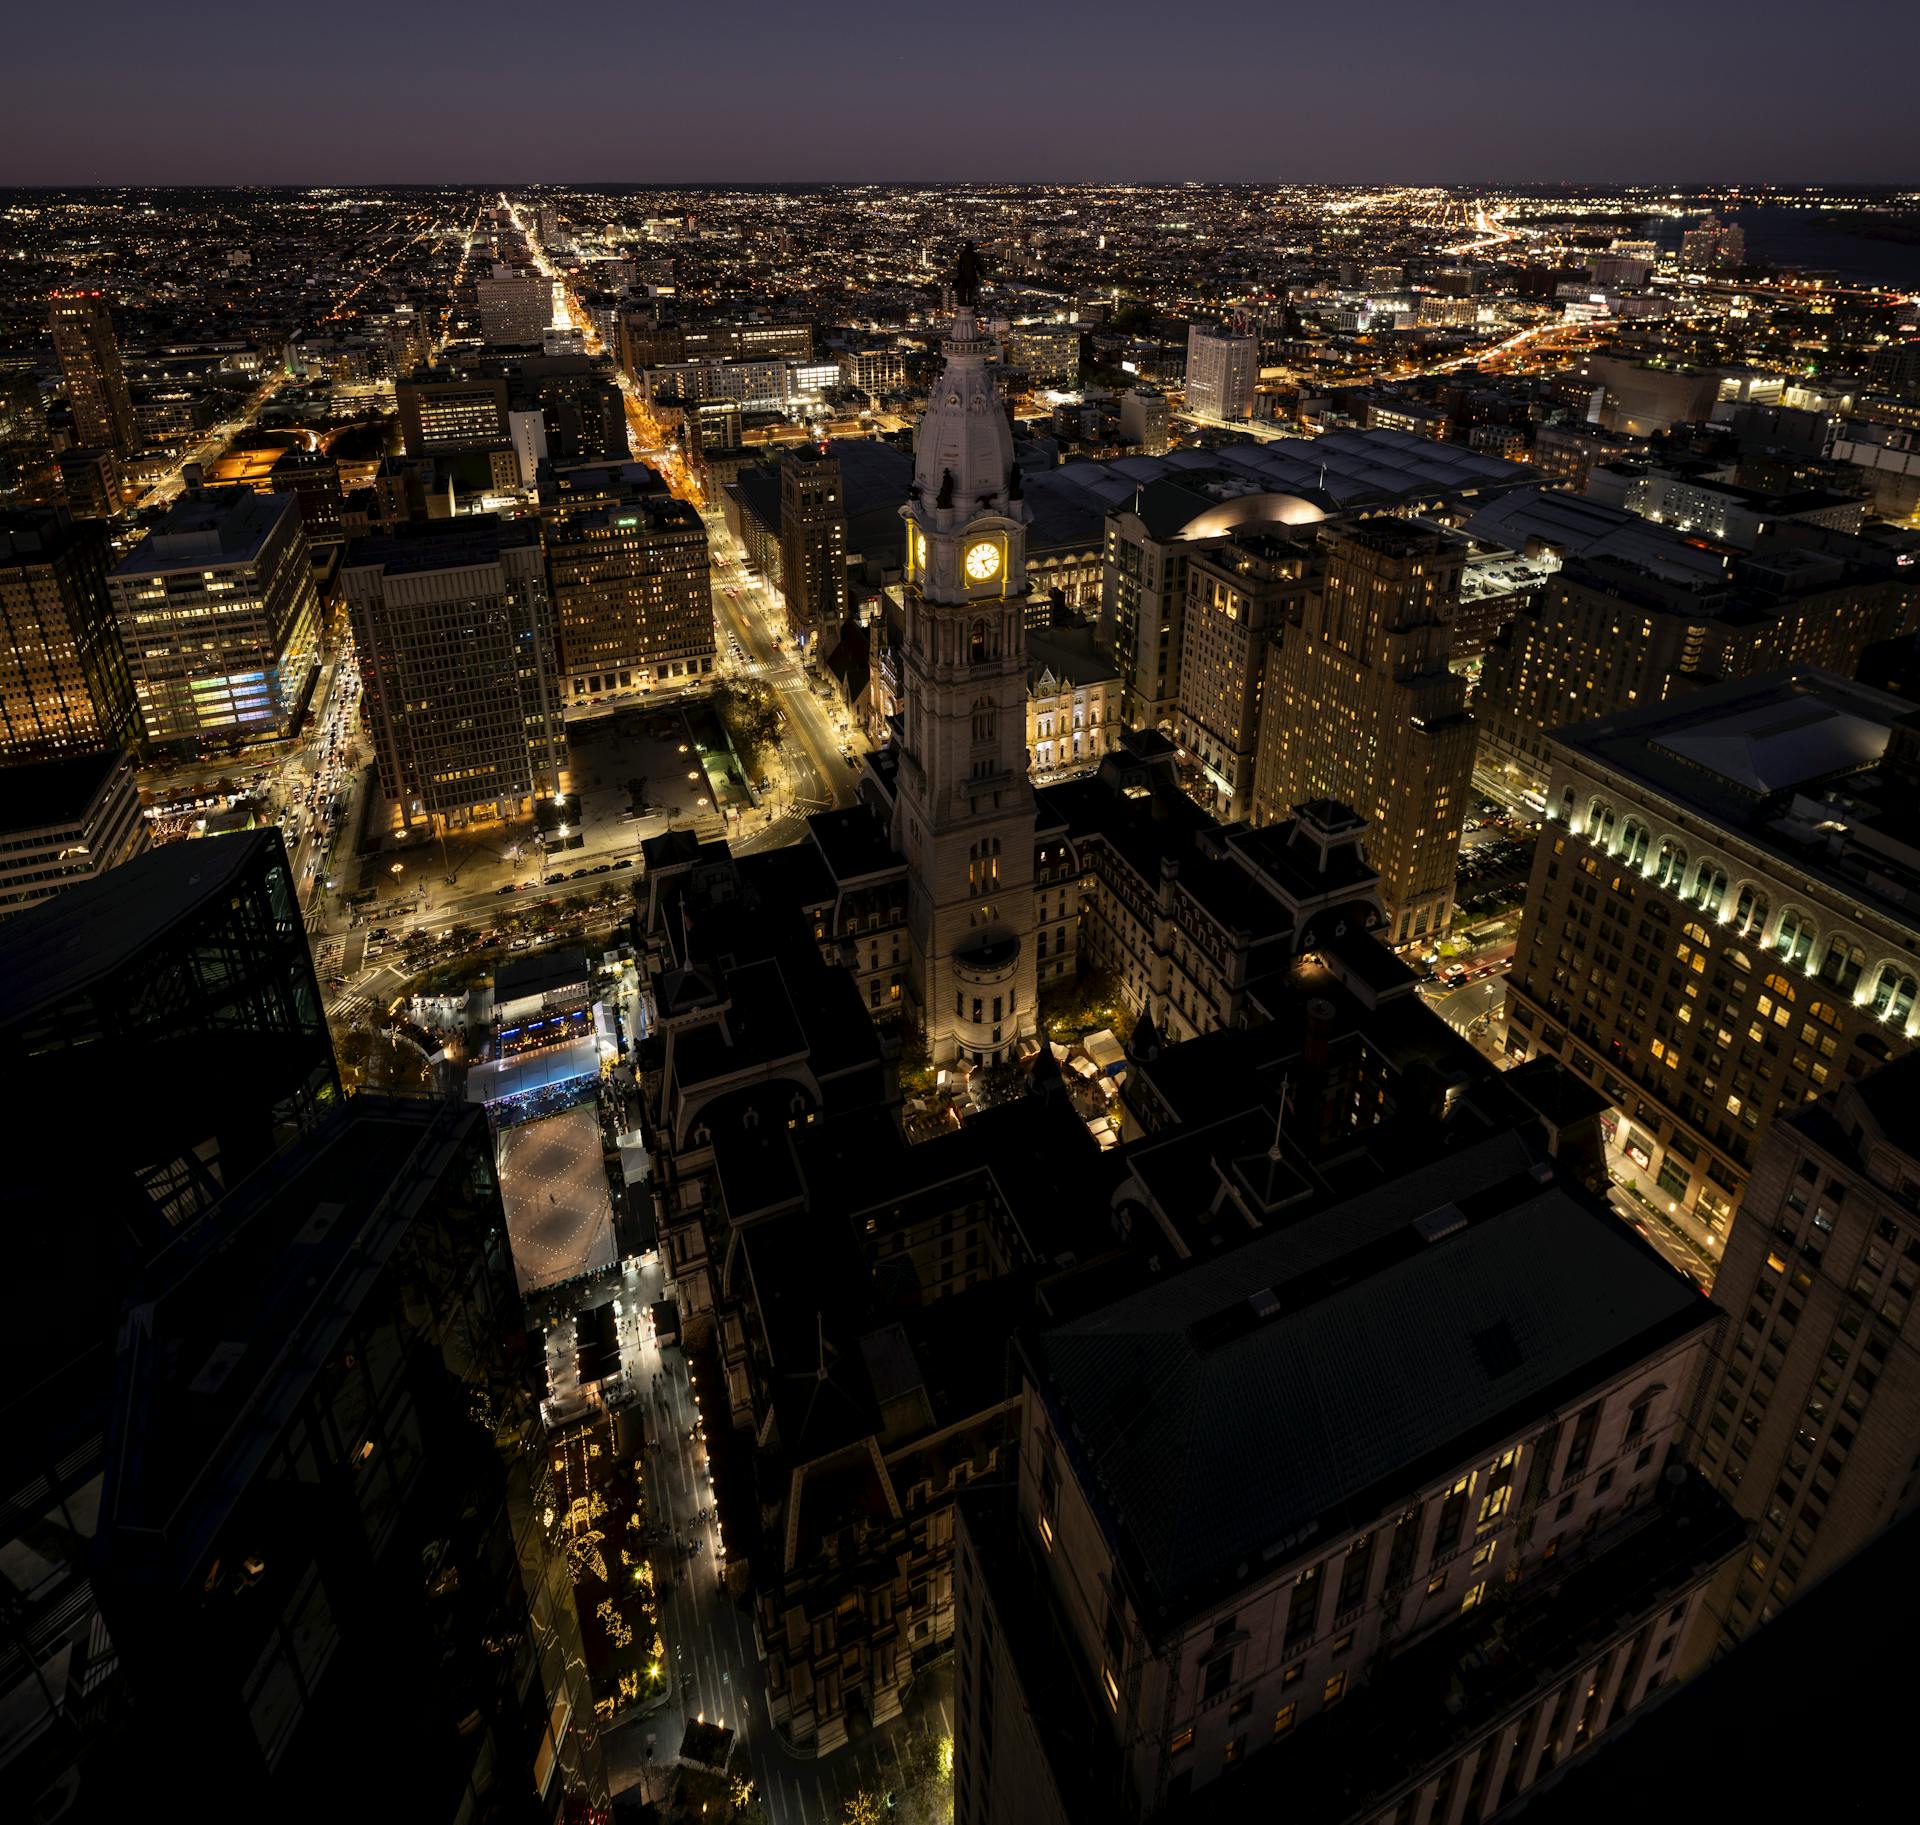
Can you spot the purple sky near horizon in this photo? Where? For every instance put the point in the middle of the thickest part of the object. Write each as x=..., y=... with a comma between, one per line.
x=1124, y=91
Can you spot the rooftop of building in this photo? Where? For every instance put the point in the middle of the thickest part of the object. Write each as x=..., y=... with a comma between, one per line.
x=1070, y=654
x=37, y=535
x=850, y=1327
x=91, y=931
x=541, y=972
x=1341, y=471
x=560, y=483
x=209, y=528
x=51, y=794
x=854, y=843
x=1299, y=1385
x=1527, y=520
x=461, y=543
x=1817, y=771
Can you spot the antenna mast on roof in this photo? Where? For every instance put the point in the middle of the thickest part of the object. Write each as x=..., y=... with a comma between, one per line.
x=1279, y=1121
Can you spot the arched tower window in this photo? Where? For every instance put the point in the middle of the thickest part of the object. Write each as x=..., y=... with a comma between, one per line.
x=983, y=866
x=979, y=643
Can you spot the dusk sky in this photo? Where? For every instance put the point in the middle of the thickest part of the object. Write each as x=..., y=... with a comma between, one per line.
x=1768, y=91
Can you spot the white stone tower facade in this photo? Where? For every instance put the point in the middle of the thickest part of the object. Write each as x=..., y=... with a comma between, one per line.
x=964, y=811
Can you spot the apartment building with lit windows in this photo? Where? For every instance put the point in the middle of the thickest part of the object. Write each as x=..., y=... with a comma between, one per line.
x=1814, y=1400
x=1223, y=370
x=219, y=618
x=1243, y=593
x=1362, y=706
x=813, y=542
x=516, y=308
x=83, y=339
x=1608, y=634
x=1073, y=700
x=453, y=624
x=452, y=411
x=1371, y=1517
x=632, y=587
x=1723, y=921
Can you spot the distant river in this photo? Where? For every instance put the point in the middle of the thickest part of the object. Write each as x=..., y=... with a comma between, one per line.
x=1807, y=239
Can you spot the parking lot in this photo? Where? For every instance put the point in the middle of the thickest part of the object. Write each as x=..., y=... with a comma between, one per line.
x=1496, y=857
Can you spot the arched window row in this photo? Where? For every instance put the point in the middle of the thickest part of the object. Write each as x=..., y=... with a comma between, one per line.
x=1840, y=959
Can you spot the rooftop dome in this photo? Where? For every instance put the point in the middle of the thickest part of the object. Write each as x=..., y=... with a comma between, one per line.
x=1244, y=510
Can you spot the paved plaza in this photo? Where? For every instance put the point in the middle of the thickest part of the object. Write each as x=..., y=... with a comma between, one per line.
x=559, y=1216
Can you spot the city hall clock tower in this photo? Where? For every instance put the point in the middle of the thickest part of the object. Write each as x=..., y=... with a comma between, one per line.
x=963, y=812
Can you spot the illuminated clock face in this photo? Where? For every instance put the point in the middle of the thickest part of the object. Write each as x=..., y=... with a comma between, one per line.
x=920, y=551
x=983, y=561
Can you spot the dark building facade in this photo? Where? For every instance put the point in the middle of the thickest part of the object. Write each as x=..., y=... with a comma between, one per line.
x=171, y=1009
x=325, y=1495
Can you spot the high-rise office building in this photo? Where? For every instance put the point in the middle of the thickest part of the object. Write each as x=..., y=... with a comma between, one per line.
x=582, y=414
x=1235, y=1583
x=442, y=411
x=327, y=1496
x=64, y=821
x=1143, y=596
x=1143, y=420
x=90, y=482
x=453, y=624
x=1223, y=368
x=312, y=477
x=632, y=591
x=1609, y=634
x=515, y=308
x=813, y=542
x=90, y=358
x=183, y=981
x=874, y=371
x=964, y=815
x=1721, y=921
x=63, y=678
x=1813, y=1402
x=1362, y=707
x=1243, y=594
x=219, y=618
x=187, y=970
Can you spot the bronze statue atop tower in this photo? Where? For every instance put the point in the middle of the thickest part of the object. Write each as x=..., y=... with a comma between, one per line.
x=966, y=276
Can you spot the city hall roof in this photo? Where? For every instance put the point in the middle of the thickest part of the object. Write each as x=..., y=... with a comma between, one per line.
x=1291, y=480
